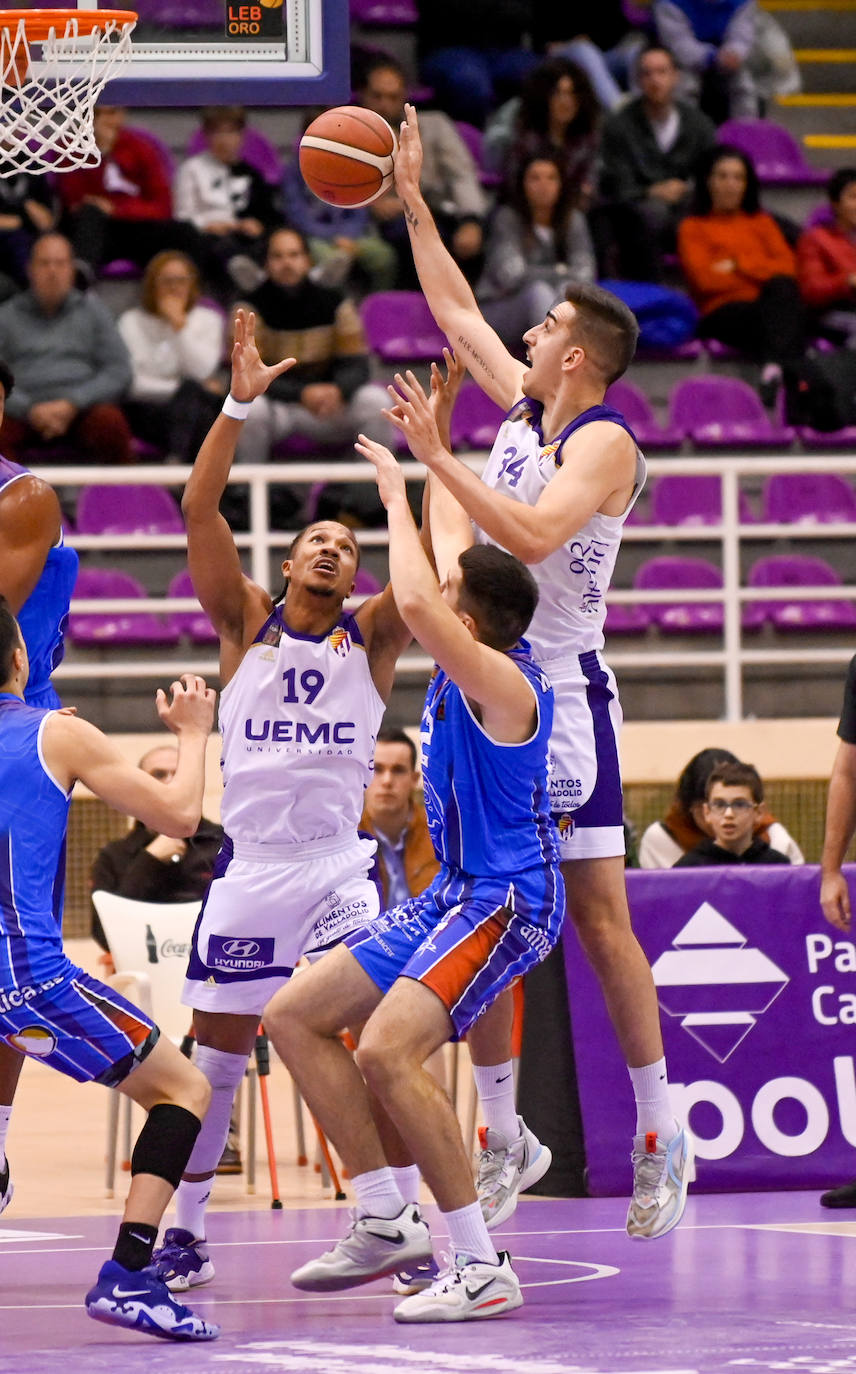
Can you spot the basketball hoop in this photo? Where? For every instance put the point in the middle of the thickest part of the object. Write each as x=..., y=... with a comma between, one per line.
x=54, y=64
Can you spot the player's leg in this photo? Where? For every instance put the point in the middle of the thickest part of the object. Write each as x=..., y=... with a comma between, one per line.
x=662, y=1149
x=511, y=1157
x=224, y=1041
x=304, y=1022
x=129, y=1291
x=11, y=1063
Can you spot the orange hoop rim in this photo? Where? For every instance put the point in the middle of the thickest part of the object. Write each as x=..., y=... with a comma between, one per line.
x=38, y=23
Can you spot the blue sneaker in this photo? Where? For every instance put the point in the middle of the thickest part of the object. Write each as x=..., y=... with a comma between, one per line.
x=6, y=1189
x=138, y=1299
x=181, y=1261
x=415, y=1277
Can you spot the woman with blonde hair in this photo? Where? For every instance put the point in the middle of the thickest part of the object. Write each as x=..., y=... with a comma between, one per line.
x=176, y=345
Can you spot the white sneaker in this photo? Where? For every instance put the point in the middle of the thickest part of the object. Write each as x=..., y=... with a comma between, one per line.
x=372, y=1247
x=661, y=1176
x=470, y=1290
x=506, y=1168
x=415, y=1277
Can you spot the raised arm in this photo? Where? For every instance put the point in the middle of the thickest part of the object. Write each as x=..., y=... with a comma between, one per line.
x=449, y=295
x=29, y=527
x=234, y=604
x=485, y=676
x=75, y=749
x=602, y=472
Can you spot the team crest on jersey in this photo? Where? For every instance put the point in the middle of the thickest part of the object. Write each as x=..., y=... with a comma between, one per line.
x=565, y=826
x=340, y=641
x=552, y=451
x=272, y=635
x=37, y=1040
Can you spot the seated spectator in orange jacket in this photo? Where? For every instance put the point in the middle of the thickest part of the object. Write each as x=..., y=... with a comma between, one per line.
x=826, y=262
x=123, y=207
x=740, y=269
x=395, y=814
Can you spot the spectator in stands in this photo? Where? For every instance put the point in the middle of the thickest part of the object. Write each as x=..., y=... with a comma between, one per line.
x=176, y=347
x=474, y=55
x=740, y=269
x=327, y=397
x=123, y=207
x=650, y=150
x=556, y=112
x=732, y=806
x=603, y=42
x=712, y=41
x=226, y=199
x=345, y=243
x=535, y=243
x=450, y=178
x=826, y=262
x=28, y=207
x=394, y=813
x=71, y=366
x=685, y=826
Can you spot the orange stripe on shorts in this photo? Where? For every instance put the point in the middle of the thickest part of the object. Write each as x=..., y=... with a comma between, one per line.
x=452, y=975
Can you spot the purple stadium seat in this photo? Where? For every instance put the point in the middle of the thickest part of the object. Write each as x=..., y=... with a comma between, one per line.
x=626, y=619
x=636, y=408
x=400, y=327
x=194, y=624
x=798, y=570
x=776, y=154
x=473, y=138
x=384, y=13
x=475, y=419
x=692, y=501
x=686, y=352
x=95, y=629
x=676, y=573
x=723, y=412
x=827, y=438
x=256, y=149
x=792, y=498
x=131, y=509
x=366, y=584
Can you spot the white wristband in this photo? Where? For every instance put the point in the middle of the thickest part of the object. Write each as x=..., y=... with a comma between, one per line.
x=236, y=410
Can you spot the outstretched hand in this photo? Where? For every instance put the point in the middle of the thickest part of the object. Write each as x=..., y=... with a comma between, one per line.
x=189, y=705
x=414, y=414
x=388, y=474
x=250, y=376
x=444, y=393
x=408, y=159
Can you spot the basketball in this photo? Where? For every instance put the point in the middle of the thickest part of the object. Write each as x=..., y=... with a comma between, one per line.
x=346, y=156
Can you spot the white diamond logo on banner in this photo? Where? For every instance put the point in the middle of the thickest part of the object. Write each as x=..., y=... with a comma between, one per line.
x=715, y=982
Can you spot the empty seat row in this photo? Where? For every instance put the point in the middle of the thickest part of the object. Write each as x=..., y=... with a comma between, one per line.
x=678, y=574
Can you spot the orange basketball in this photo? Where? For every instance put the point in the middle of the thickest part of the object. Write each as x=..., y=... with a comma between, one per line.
x=346, y=156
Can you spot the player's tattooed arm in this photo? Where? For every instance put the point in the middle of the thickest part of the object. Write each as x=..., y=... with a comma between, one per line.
x=475, y=358
x=411, y=217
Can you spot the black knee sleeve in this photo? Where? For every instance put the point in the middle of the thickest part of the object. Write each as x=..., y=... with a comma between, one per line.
x=164, y=1144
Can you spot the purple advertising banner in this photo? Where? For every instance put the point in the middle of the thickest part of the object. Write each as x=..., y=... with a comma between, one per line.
x=757, y=999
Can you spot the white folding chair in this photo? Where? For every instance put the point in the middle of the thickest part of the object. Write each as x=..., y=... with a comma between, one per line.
x=150, y=944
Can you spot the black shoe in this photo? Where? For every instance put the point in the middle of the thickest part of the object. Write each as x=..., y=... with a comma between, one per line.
x=845, y=1196
x=6, y=1189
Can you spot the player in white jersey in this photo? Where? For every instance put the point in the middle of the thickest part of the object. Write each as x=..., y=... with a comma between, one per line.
x=303, y=691
x=563, y=474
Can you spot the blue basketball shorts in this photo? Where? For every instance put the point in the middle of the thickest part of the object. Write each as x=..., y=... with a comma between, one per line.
x=465, y=938
x=76, y=1024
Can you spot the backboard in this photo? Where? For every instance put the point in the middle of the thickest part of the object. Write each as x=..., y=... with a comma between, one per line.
x=246, y=52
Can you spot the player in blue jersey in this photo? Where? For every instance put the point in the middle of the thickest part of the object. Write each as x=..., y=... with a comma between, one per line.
x=304, y=685
x=37, y=576
x=563, y=475
x=52, y=1010
x=424, y=971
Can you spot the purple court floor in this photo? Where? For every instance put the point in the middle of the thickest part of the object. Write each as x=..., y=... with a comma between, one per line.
x=748, y=1282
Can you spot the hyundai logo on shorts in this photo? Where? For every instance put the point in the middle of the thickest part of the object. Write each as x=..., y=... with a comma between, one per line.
x=240, y=955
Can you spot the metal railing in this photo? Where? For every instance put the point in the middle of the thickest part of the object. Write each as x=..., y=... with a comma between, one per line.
x=260, y=541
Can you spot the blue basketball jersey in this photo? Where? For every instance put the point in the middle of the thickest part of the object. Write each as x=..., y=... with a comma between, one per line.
x=487, y=803
x=44, y=616
x=33, y=822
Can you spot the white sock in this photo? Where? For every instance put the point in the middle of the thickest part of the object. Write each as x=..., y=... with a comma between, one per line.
x=224, y=1072
x=5, y=1118
x=653, y=1102
x=469, y=1234
x=495, y=1087
x=377, y=1194
x=407, y=1181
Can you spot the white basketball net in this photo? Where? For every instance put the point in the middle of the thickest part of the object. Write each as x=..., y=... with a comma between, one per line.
x=46, y=115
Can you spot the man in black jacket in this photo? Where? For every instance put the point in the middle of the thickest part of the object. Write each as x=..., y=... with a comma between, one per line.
x=650, y=150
